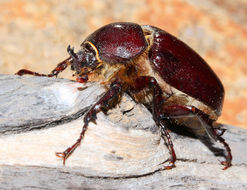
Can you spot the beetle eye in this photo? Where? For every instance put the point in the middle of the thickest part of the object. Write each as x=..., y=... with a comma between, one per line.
x=87, y=48
x=88, y=55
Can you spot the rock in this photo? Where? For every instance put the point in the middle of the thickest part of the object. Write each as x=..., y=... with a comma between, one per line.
x=40, y=116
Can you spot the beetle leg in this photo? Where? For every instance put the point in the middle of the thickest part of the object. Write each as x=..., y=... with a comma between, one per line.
x=109, y=100
x=59, y=68
x=178, y=111
x=166, y=137
x=150, y=82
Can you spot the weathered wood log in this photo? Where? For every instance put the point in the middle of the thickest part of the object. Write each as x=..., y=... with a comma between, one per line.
x=40, y=116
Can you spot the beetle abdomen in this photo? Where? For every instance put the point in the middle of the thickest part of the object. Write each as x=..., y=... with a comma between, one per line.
x=119, y=42
x=184, y=69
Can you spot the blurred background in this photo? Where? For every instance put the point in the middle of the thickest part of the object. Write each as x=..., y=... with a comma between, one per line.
x=34, y=34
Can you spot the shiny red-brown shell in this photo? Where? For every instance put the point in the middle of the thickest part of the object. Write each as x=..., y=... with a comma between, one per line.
x=177, y=64
x=181, y=67
x=119, y=42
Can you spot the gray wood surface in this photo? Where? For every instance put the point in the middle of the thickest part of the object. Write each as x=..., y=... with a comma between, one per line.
x=40, y=116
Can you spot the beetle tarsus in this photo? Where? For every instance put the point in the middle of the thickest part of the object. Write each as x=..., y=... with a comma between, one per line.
x=65, y=155
x=220, y=131
x=169, y=166
x=226, y=165
x=28, y=72
x=61, y=155
x=228, y=162
x=167, y=138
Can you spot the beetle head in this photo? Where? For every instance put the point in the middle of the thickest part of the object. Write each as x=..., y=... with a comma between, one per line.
x=84, y=61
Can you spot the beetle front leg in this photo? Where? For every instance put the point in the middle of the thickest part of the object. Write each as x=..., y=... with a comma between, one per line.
x=181, y=111
x=109, y=100
x=59, y=68
x=149, y=82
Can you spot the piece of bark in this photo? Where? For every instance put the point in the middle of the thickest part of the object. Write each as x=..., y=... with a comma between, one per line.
x=40, y=116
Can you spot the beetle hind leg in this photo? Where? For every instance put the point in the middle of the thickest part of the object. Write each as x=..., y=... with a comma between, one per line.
x=181, y=111
x=149, y=82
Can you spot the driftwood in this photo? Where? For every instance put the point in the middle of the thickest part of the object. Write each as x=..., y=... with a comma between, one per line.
x=40, y=116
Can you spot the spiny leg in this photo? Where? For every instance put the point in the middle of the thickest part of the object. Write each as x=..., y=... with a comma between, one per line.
x=109, y=100
x=158, y=100
x=59, y=68
x=178, y=111
x=228, y=162
x=28, y=72
x=167, y=138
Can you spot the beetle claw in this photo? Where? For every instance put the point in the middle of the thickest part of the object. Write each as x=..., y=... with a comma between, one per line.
x=62, y=155
x=220, y=131
x=169, y=166
x=226, y=164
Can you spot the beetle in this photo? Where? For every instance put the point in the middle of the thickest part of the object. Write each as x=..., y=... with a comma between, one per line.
x=157, y=70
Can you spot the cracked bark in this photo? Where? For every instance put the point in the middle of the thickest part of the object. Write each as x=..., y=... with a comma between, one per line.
x=41, y=116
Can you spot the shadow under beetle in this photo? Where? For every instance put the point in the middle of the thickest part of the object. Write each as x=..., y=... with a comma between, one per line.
x=156, y=69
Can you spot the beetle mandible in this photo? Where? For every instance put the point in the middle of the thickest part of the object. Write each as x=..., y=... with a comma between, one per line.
x=145, y=61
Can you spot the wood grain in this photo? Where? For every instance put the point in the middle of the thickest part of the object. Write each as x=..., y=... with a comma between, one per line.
x=40, y=116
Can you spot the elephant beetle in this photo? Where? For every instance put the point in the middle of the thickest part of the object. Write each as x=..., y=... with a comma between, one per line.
x=157, y=70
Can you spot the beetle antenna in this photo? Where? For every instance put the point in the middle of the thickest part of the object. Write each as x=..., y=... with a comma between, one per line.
x=72, y=53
